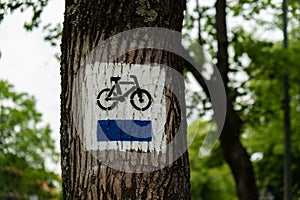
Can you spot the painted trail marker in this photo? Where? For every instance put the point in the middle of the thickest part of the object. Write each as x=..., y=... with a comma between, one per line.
x=124, y=130
x=123, y=107
x=108, y=98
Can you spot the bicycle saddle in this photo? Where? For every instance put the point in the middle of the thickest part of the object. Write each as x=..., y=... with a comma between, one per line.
x=115, y=79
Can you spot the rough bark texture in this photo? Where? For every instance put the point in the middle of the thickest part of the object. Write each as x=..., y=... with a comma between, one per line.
x=88, y=22
x=234, y=153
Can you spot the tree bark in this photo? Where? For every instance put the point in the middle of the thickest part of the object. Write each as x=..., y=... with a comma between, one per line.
x=86, y=24
x=233, y=151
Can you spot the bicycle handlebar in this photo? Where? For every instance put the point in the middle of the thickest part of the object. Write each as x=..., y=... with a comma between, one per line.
x=135, y=80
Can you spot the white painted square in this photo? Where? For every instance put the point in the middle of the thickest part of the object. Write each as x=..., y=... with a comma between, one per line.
x=95, y=78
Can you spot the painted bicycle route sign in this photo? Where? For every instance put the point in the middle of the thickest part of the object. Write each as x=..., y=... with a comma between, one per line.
x=108, y=98
x=124, y=107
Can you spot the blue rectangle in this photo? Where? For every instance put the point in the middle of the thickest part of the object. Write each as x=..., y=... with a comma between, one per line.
x=124, y=130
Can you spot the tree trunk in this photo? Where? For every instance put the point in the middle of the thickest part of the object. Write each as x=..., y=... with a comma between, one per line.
x=87, y=23
x=234, y=153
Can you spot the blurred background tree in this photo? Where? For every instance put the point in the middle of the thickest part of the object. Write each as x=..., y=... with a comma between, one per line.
x=257, y=64
x=211, y=177
x=25, y=145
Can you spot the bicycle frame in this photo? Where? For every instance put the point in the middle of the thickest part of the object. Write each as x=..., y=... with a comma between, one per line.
x=119, y=90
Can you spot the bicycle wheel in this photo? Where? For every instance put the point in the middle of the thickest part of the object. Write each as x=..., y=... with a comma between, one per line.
x=140, y=99
x=102, y=101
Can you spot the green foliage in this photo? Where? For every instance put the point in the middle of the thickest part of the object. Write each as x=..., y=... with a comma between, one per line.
x=53, y=34
x=53, y=31
x=211, y=177
x=263, y=116
x=37, y=7
x=257, y=67
x=24, y=145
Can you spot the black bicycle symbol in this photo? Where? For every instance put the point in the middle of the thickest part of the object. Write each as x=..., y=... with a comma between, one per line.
x=108, y=98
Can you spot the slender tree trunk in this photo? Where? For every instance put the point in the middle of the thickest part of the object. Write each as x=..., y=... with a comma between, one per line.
x=234, y=153
x=288, y=179
x=86, y=24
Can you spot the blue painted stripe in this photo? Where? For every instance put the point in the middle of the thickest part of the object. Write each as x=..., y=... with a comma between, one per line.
x=124, y=130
